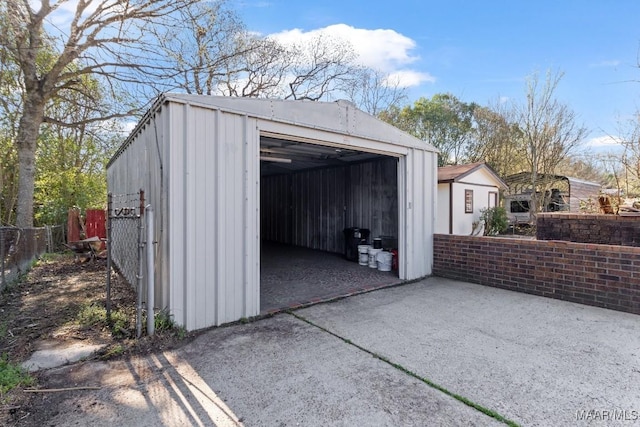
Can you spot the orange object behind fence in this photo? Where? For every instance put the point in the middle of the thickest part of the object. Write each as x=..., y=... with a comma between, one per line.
x=73, y=225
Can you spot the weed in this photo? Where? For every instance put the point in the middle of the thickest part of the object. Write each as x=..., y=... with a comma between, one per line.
x=163, y=322
x=12, y=376
x=52, y=257
x=114, y=351
x=180, y=332
x=4, y=330
x=17, y=280
x=92, y=315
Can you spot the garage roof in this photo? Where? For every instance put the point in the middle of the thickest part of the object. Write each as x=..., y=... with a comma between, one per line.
x=339, y=116
x=281, y=155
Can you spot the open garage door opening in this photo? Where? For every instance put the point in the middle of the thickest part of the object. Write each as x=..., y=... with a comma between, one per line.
x=316, y=203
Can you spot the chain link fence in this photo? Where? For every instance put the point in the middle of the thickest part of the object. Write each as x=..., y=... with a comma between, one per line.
x=125, y=213
x=126, y=244
x=18, y=248
x=125, y=241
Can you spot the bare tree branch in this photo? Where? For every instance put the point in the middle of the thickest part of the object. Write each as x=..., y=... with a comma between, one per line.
x=95, y=33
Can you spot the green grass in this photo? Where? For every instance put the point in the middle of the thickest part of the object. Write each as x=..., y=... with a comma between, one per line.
x=12, y=376
x=51, y=257
x=92, y=315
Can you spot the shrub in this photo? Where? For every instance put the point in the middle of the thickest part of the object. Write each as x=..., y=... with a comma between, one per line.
x=495, y=220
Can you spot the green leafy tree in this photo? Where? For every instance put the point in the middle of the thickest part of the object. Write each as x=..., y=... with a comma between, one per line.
x=69, y=160
x=442, y=120
x=10, y=105
x=497, y=141
x=70, y=172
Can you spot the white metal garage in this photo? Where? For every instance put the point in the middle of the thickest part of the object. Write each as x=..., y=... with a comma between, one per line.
x=198, y=158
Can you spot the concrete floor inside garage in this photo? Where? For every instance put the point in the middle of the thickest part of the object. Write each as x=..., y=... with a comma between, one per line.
x=310, y=193
x=292, y=276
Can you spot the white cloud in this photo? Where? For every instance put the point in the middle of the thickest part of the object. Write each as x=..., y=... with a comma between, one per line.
x=607, y=64
x=408, y=78
x=380, y=49
x=603, y=141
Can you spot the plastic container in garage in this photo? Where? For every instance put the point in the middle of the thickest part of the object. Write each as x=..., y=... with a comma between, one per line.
x=373, y=257
x=354, y=237
x=384, y=261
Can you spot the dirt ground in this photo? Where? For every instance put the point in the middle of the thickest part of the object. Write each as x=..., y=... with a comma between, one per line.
x=63, y=300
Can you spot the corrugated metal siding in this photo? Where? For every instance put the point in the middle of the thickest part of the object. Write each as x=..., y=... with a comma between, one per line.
x=305, y=209
x=200, y=169
x=275, y=208
x=373, y=197
x=140, y=166
x=316, y=217
x=214, y=272
x=581, y=191
x=312, y=208
x=418, y=179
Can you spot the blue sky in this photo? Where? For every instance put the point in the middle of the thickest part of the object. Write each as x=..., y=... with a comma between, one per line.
x=483, y=51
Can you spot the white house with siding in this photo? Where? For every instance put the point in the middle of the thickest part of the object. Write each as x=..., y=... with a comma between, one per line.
x=215, y=170
x=463, y=192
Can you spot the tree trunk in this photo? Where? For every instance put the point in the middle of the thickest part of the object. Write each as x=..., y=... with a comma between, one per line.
x=26, y=141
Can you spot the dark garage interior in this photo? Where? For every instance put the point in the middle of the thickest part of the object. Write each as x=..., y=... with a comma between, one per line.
x=309, y=195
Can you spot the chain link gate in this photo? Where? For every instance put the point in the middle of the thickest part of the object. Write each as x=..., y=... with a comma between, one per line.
x=125, y=245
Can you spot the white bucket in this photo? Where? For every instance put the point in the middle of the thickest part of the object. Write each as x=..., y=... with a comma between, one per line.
x=373, y=257
x=363, y=254
x=384, y=261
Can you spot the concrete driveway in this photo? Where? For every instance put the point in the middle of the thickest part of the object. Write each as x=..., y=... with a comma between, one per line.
x=437, y=352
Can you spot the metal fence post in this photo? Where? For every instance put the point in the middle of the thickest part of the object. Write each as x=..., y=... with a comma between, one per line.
x=108, y=302
x=150, y=270
x=140, y=267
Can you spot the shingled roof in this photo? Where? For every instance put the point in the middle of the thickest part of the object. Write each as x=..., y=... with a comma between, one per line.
x=457, y=172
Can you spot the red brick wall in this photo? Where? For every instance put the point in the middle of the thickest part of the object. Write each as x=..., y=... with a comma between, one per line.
x=601, y=275
x=589, y=228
